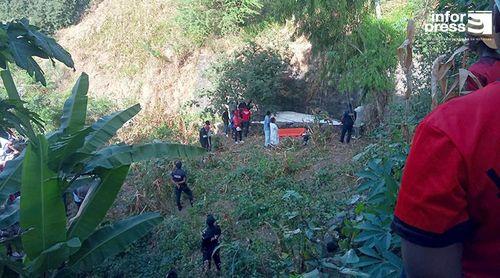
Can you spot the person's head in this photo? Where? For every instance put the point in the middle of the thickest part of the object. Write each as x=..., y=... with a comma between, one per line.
x=210, y=220
x=207, y=124
x=268, y=113
x=178, y=164
x=273, y=120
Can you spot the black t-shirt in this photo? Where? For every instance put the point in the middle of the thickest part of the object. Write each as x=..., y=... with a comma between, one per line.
x=178, y=175
x=210, y=238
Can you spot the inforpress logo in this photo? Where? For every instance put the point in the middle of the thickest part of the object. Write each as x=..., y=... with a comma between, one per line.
x=480, y=23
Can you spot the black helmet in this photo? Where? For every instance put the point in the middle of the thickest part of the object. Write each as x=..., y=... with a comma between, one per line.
x=178, y=164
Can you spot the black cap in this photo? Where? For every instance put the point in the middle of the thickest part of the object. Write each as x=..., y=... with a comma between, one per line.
x=210, y=220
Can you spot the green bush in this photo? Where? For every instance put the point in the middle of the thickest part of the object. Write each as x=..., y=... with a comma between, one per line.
x=256, y=73
x=49, y=15
x=201, y=18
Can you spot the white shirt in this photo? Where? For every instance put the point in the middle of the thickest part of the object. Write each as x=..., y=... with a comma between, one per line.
x=3, y=142
x=275, y=138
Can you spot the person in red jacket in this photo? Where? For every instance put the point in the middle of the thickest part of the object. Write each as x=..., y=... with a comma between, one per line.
x=487, y=68
x=246, y=114
x=237, y=130
x=448, y=207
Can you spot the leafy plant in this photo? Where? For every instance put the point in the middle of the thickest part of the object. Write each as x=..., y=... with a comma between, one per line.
x=70, y=157
x=255, y=73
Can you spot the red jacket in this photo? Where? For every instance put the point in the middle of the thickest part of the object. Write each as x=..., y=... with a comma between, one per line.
x=487, y=70
x=246, y=114
x=236, y=120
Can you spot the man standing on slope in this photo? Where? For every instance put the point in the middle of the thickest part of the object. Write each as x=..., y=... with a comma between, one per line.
x=448, y=208
x=209, y=243
x=206, y=136
x=179, y=179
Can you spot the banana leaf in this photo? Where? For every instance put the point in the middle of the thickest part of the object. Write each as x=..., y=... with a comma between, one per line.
x=10, y=178
x=53, y=257
x=111, y=240
x=42, y=209
x=99, y=199
x=75, y=107
x=10, y=214
x=117, y=155
x=107, y=127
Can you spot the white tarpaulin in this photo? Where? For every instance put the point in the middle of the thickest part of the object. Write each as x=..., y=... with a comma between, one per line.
x=294, y=117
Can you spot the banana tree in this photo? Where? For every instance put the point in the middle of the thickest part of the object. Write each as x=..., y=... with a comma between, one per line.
x=76, y=155
x=20, y=42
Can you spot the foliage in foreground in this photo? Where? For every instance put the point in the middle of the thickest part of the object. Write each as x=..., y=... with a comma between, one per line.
x=58, y=163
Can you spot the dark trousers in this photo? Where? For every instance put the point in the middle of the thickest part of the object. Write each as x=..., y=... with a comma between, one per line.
x=178, y=192
x=207, y=256
x=346, y=130
x=237, y=135
x=246, y=127
x=206, y=143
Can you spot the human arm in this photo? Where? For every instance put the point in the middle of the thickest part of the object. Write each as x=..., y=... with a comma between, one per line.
x=425, y=262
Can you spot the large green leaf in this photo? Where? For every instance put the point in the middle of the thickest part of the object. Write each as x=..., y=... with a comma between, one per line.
x=54, y=257
x=9, y=84
x=107, y=127
x=42, y=210
x=99, y=199
x=48, y=45
x=66, y=146
x=23, y=51
x=10, y=177
x=9, y=214
x=117, y=155
x=111, y=240
x=24, y=43
x=75, y=107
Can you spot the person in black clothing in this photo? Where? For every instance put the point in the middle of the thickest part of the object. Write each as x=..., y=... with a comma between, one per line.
x=225, y=120
x=206, y=136
x=347, y=125
x=209, y=243
x=179, y=178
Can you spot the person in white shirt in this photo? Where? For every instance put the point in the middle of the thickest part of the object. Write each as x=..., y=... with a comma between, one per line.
x=275, y=139
x=359, y=122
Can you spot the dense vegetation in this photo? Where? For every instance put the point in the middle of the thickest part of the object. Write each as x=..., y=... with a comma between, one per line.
x=49, y=15
x=279, y=209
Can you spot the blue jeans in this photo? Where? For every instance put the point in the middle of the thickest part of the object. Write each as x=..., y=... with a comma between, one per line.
x=267, y=136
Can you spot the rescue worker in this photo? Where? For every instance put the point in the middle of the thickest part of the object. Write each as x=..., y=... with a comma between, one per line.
x=206, y=136
x=209, y=243
x=179, y=179
x=447, y=212
x=348, y=119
